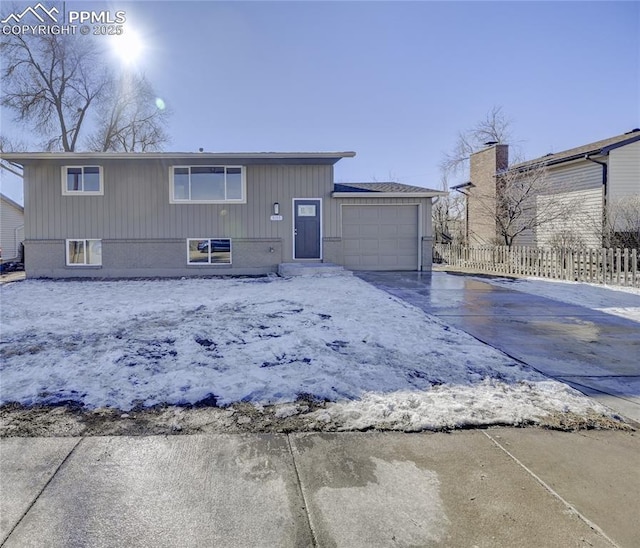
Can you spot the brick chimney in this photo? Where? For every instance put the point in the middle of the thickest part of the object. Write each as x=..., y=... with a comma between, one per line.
x=481, y=201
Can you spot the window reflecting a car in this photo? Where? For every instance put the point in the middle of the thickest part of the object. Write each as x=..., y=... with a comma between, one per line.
x=209, y=251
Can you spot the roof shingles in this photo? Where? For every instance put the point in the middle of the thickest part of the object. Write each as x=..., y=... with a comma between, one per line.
x=380, y=187
x=581, y=151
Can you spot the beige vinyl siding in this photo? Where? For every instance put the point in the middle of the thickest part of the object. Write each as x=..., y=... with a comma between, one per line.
x=584, y=223
x=624, y=172
x=11, y=233
x=578, y=185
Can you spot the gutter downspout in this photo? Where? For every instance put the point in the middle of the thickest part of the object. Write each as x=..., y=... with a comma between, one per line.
x=605, y=186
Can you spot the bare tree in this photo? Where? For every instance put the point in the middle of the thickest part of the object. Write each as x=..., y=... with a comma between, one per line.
x=524, y=201
x=622, y=222
x=447, y=213
x=448, y=219
x=617, y=226
x=494, y=127
x=132, y=120
x=620, y=226
x=567, y=238
x=62, y=85
x=52, y=81
x=8, y=145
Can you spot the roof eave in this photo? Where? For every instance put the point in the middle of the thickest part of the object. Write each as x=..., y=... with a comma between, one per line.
x=12, y=202
x=603, y=151
x=374, y=194
x=628, y=141
x=468, y=184
x=17, y=157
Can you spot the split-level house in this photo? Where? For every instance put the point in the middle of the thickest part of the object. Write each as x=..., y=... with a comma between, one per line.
x=593, y=183
x=112, y=215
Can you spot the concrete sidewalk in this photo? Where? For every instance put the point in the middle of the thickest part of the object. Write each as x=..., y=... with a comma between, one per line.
x=498, y=487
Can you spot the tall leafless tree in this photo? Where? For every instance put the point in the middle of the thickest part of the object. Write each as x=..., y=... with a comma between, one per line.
x=525, y=202
x=63, y=86
x=494, y=127
x=131, y=119
x=447, y=213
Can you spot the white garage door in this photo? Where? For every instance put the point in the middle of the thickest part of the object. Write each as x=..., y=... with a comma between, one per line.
x=380, y=237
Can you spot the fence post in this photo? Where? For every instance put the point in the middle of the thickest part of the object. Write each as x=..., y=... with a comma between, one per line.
x=635, y=281
x=626, y=267
x=610, y=266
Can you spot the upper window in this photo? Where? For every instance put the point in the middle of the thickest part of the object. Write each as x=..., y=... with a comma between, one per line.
x=207, y=184
x=86, y=180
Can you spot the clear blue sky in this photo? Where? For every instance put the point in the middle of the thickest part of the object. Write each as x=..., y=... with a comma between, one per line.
x=394, y=81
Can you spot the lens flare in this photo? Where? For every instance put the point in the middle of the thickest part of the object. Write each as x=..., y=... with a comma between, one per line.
x=160, y=104
x=129, y=47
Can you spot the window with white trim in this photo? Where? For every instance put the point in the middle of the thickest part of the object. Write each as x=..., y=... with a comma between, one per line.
x=82, y=180
x=214, y=251
x=84, y=252
x=208, y=184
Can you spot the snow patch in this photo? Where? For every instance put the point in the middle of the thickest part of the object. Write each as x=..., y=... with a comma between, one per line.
x=375, y=360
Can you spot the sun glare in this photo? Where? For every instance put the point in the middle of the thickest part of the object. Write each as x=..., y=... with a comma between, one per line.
x=128, y=47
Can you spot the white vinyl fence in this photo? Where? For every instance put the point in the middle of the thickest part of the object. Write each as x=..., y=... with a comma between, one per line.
x=605, y=266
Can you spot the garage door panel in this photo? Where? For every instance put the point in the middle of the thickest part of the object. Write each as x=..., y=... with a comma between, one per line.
x=368, y=262
x=380, y=237
x=388, y=246
x=406, y=246
x=369, y=215
x=350, y=231
x=370, y=246
x=404, y=231
x=388, y=231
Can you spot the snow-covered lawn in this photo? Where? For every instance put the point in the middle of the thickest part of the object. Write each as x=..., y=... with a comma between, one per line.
x=620, y=301
x=378, y=361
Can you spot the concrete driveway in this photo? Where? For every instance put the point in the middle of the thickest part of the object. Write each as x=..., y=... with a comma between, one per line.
x=596, y=353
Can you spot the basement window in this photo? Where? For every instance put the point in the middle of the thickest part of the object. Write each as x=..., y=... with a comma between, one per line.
x=84, y=252
x=205, y=251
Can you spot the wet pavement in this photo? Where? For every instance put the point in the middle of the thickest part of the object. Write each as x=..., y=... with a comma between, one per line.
x=595, y=352
x=500, y=487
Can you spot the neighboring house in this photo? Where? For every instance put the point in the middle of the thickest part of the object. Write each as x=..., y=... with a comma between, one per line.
x=11, y=228
x=592, y=180
x=198, y=214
